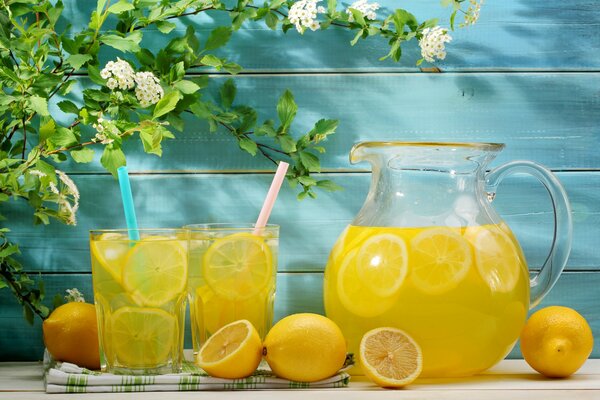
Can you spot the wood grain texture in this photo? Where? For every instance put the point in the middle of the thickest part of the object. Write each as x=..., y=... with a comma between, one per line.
x=512, y=34
x=295, y=293
x=549, y=118
x=308, y=228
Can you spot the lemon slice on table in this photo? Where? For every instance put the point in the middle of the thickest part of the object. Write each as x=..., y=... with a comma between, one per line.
x=390, y=357
x=496, y=257
x=155, y=272
x=440, y=260
x=355, y=295
x=142, y=337
x=110, y=250
x=238, y=266
x=233, y=352
x=382, y=263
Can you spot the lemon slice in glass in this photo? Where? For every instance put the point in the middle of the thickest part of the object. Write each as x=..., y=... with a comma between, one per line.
x=238, y=266
x=355, y=295
x=142, y=337
x=110, y=250
x=496, y=257
x=382, y=263
x=440, y=260
x=155, y=272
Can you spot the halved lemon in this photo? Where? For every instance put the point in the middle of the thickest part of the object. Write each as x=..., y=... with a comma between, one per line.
x=142, y=337
x=440, y=260
x=110, y=250
x=355, y=295
x=496, y=257
x=155, y=272
x=382, y=263
x=233, y=352
x=390, y=357
x=238, y=266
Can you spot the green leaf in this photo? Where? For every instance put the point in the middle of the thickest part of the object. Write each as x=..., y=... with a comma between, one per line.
x=218, y=37
x=358, y=16
x=166, y=104
x=28, y=314
x=94, y=75
x=310, y=161
x=323, y=128
x=63, y=137
x=266, y=129
x=113, y=158
x=232, y=68
x=307, y=180
x=288, y=144
x=228, y=92
x=165, y=26
x=120, y=7
x=402, y=17
x=145, y=57
x=271, y=20
x=286, y=109
x=125, y=44
x=248, y=145
x=47, y=128
x=212, y=61
x=186, y=87
x=83, y=155
x=329, y=185
x=68, y=107
x=177, y=72
x=9, y=250
x=77, y=60
x=39, y=105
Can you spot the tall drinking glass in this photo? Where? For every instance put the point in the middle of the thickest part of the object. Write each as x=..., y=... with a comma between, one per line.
x=140, y=296
x=233, y=269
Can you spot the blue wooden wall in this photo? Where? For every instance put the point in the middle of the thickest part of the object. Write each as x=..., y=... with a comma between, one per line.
x=526, y=75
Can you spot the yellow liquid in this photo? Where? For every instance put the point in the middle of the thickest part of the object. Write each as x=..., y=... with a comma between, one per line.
x=461, y=293
x=140, y=328
x=216, y=304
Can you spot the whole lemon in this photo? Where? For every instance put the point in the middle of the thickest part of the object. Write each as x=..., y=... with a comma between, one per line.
x=556, y=341
x=71, y=334
x=305, y=348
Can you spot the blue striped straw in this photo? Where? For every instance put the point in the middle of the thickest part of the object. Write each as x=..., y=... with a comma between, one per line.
x=127, y=197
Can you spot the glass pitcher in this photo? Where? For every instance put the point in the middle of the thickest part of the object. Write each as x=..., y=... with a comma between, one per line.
x=428, y=254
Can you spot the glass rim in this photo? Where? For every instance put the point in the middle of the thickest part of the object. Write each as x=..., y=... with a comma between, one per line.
x=488, y=146
x=227, y=226
x=126, y=230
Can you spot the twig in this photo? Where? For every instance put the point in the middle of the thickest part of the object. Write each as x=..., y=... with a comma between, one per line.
x=24, y=138
x=65, y=80
x=22, y=298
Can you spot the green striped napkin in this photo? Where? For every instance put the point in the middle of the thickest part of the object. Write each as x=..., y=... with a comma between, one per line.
x=70, y=378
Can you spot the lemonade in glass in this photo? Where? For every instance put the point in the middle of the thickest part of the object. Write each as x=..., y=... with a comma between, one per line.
x=140, y=297
x=232, y=273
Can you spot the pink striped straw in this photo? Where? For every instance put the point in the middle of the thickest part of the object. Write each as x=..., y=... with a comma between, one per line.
x=267, y=207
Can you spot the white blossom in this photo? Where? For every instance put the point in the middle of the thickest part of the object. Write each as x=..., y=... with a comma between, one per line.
x=103, y=127
x=69, y=184
x=53, y=188
x=69, y=210
x=37, y=172
x=472, y=13
x=432, y=43
x=148, y=90
x=303, y=14
x=74, y=295
x=366, y=9
x=119, y=74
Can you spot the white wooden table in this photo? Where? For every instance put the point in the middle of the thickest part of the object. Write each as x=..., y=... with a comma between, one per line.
x=511, y=379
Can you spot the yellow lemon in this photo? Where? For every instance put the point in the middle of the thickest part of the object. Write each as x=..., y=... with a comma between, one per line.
x=390, y=357
x=355, y=294
x=305, y=348
x=382, y=263
x=155, y=272
x=556, y=341
x=71, y=334
x=233, y=352
x=440, y=260
x=238, y=266
x=141, y=337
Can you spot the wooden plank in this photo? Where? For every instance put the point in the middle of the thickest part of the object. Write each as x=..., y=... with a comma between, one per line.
x=308, y=229
x=295, y=293
x=548, y=118
x=509, y=35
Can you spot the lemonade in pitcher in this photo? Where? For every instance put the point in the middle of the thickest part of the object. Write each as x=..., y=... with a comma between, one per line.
x=387, y=276
x=231, y=277
x=140, y=297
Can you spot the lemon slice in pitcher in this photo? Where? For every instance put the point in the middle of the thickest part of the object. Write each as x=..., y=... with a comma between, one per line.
x=238, y=266
x=155, y=272
x=440, y=260
x=382, y=263
x=142, y=337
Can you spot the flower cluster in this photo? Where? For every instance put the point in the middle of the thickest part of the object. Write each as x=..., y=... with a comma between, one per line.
x=67, y=194
x=303, y=14
x=106, y=129
x=74, y=295
x=120, y=75
x=148, y=90
x=472, y=13
x=368, y=10
x=432, y=43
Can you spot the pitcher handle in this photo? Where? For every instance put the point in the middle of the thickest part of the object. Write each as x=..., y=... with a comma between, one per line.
x=542, y=281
